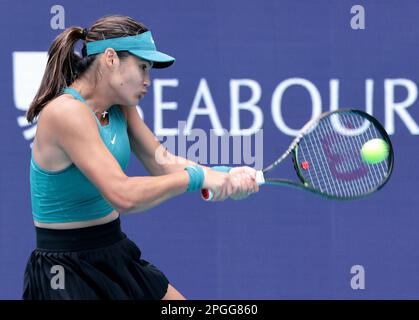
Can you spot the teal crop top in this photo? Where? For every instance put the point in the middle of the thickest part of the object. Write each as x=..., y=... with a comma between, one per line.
x=68, y=195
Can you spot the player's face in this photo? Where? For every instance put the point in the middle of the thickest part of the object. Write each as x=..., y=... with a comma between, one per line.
x=131, y=80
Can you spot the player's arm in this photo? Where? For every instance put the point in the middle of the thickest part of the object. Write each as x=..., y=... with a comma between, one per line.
x=160, y=161
x=78, y=136
x=148, y=149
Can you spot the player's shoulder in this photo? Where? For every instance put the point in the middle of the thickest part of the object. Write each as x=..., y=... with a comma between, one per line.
x=66, y=110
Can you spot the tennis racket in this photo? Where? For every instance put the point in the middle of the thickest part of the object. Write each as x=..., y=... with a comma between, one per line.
x=328, y=157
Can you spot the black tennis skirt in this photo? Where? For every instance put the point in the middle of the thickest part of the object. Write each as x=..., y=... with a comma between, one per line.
x=91, y=263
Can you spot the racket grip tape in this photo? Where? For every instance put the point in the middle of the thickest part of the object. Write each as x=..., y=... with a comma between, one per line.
x=208, y=195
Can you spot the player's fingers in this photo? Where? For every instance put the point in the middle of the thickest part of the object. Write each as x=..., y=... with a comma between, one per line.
x=247, y=185
x=244, y=169
x=229, y=187
x=250, y=171
x=250, y=183
x=239, y=186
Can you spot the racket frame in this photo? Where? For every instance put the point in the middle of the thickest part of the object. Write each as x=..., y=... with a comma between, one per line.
x=293, y=150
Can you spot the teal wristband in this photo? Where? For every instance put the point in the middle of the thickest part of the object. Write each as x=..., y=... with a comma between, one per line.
x=196, y=177
x=222, y=169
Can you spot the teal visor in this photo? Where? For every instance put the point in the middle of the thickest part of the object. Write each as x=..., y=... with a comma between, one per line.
x=141, y=45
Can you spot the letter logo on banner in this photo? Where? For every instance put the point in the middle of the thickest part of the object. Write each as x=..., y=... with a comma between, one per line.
x=358, y=20
x=276, y=105
x=358, y=280
x=28, y=69
x=58, y=20
x=392, y=107
x=203, y=94
x=236, y=106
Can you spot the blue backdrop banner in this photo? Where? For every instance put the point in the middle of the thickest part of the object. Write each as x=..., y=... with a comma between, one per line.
x=255, y=70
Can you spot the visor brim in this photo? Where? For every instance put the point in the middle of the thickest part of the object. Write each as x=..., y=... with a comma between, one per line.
x=160, y=60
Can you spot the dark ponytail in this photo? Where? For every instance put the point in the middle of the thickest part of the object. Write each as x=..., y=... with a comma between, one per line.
x=64, y=65
x=60, y=70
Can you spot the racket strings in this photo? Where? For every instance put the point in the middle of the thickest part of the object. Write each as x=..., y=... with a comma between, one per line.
x=332, y=150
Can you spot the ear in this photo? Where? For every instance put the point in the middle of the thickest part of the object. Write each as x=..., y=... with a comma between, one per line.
x=110, y=58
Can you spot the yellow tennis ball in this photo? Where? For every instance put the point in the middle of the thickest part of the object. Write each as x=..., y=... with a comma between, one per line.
x=374, y=151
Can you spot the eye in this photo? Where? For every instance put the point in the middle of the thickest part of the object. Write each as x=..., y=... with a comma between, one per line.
x=144, y=67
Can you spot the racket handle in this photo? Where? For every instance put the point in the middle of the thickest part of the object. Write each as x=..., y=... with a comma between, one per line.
x=207, y=194
x=260, y=179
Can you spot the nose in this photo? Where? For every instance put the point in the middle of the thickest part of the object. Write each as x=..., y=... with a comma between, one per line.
x=147, y=80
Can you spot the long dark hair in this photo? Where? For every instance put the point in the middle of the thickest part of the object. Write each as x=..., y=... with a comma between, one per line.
x=64, y=65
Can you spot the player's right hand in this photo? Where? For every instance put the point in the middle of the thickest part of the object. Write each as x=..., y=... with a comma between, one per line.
x=220, y=184
x=223, y=185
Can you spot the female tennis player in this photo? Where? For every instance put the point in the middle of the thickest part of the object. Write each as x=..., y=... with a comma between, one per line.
x=87, y=127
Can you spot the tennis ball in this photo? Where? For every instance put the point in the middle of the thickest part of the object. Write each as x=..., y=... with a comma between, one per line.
x=374, y=151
